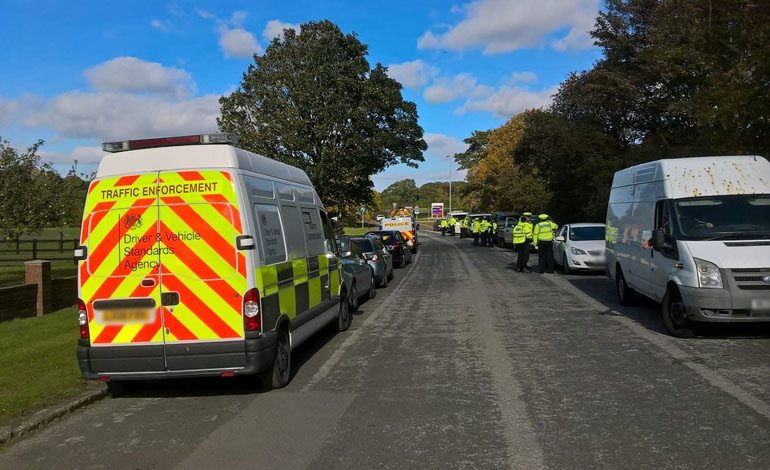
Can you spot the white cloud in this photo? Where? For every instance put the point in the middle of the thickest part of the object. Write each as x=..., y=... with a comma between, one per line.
x=7, y=108
x=238, y=43
x=274, y=29
x=413, y=74
x=522, y=77
x=160, y=25
x=509, y=100
x=441, y=145
x=499, y=26
x=129, y=74
x=444, y=89
x=83, y=154
x=234, y=40
x=114, y=116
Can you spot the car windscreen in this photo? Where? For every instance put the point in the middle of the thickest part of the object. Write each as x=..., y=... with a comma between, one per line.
x=581, y=234
x=723, y=217
x=364, y=245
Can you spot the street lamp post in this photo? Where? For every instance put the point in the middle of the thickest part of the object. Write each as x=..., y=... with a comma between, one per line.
x=448, y=157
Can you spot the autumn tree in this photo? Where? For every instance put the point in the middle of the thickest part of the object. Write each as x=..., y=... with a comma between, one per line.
x=313, y=101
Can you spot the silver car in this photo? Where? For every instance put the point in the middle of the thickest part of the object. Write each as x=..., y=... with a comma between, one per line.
x=378, y=257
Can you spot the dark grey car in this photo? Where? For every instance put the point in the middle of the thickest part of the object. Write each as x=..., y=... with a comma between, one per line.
x=378, y=258
x=356, y=273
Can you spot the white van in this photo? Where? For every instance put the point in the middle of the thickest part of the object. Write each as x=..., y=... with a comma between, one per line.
x=459, y=216
x=198, y=258
x=694, y=235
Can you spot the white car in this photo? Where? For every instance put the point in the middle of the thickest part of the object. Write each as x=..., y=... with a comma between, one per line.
x=580, y=247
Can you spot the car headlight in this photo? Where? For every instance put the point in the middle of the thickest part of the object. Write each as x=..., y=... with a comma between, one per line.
x=709, y=276
x=577, y=251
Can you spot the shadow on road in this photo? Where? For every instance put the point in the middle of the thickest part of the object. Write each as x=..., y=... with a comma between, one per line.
x=647, y=312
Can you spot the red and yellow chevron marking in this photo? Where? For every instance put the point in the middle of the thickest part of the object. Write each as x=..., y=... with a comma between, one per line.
x=408, y=234
x=177, y=229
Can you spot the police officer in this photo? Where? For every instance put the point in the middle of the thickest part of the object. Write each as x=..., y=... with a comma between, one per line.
x=542, y=235
x=476, y=230
x=484, y=229
x=443, y=226
x=464, y=226
x=522, y=235
x=493, y=233
x=452, y=222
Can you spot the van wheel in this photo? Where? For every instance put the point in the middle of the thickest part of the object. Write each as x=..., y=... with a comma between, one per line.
x=344, y=318
x=353, y=298
x=675, y=315
x=565, y=265
x=279, y=373
x=372, y=289
x=626, y=295
x=118, y=388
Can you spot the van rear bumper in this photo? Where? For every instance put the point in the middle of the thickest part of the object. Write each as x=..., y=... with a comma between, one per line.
x=723, y=305
x=244, y=357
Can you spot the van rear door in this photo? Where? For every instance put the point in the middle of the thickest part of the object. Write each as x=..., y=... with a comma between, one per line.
x=163, y=274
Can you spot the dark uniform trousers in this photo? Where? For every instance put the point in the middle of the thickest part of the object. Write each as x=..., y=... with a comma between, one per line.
x=523, y=256
x=545, y=256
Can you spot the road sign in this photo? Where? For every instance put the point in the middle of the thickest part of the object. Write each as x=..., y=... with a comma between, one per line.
x=363, y=209
x=416, y=211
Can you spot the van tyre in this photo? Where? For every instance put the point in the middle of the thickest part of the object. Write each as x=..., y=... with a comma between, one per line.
x=118, y=388
x=626, y=295
x=279, y=372
x=675, y=315
x=344, y=318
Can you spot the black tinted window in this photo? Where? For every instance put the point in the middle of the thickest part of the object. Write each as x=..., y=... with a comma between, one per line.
x=363, y=245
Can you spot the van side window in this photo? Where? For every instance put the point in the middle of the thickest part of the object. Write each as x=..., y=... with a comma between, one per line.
x=314, y=232
x=329, y=245
x=294, y=237
x=259, y=187
x=272, y=244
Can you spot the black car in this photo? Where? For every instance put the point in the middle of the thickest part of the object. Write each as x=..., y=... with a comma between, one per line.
x=395, y=243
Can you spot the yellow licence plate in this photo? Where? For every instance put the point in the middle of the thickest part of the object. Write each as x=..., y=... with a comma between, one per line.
x=126, y=315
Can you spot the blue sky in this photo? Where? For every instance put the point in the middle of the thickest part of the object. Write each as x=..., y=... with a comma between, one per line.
x=79, y=73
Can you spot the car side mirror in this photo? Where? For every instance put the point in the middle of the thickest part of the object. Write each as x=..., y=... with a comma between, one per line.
x=559, y=239
x=659, y=240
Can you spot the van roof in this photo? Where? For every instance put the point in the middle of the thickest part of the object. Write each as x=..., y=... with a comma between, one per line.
x=185, y=157
x=702, y=176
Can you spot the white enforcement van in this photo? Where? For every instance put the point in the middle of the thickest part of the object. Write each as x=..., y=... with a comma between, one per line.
x=198, y=258
x=694, y=235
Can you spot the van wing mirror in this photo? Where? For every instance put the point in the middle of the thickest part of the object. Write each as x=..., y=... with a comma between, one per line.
x=245, y=242
x=658, y=240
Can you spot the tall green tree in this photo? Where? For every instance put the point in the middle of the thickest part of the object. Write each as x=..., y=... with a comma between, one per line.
x=30, y=191
x=402, y=193
x=313, y=101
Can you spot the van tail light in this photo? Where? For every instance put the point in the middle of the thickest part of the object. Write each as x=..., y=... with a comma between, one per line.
x=83, y=319
x=251, y=314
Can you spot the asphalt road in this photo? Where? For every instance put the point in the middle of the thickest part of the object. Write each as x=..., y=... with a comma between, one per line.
x=461, y=362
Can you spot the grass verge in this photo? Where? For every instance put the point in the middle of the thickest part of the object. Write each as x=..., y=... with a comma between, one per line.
x=38, y=364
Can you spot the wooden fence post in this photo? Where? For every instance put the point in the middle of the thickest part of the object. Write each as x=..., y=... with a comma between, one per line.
x=39, y=272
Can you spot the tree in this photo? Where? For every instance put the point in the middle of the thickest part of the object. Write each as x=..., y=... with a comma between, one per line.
x=312, y=101
x=28, y=186
x=403, y=193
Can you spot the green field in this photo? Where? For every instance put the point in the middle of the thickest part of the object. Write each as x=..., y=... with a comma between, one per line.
x=38, y=364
